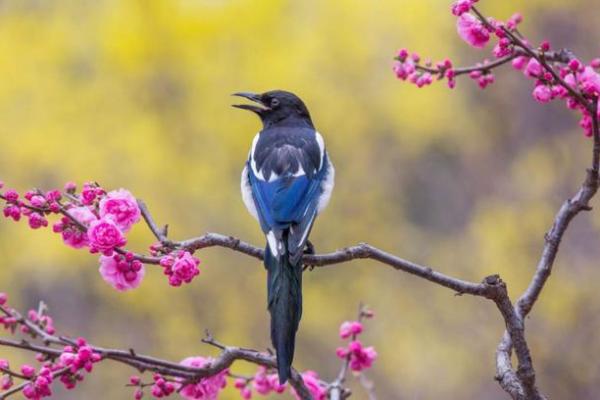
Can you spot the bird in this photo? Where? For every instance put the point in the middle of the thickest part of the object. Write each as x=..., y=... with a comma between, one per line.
x=286, y=182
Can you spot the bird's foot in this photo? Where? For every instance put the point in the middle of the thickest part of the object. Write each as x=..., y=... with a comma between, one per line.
x=310, y=251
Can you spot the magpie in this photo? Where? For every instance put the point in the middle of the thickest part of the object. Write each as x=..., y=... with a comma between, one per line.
x=286, y=182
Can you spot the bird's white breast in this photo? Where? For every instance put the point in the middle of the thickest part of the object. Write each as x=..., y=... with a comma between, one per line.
x=326, y=187
x=247, y=194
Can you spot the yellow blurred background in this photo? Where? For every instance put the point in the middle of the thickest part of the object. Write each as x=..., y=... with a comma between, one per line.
x=135, y=94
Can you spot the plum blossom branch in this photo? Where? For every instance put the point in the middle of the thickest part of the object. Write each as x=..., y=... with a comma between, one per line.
x=76, y=354
x=354, y=357
x=116, y=269
x=558, y=74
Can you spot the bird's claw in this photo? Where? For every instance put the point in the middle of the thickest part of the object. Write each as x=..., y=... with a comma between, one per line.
x=310, y=251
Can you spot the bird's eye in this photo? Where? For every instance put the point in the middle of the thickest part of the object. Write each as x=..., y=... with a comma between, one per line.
x=274, y=103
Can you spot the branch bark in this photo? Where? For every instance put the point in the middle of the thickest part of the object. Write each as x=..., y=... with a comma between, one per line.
x=142, y=363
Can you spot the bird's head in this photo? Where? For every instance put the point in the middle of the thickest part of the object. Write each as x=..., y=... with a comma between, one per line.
x=276, y=107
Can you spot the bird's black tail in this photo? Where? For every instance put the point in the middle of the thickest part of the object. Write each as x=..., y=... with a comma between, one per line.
x=284, y=288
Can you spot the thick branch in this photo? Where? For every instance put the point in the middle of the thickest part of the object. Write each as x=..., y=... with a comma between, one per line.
x=360, y=251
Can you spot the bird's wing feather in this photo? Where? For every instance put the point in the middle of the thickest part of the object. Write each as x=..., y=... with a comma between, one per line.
x=285, y=195
x=288, y=203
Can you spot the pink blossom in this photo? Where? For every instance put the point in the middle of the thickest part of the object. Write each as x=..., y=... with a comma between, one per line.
x=53, y=195
x=208, y=388
x=350, y=328
x=27, y=370
x=514, y=20
x=533, y=68
x=542, y=93
x=71, y=234
x=180, y=267
x=570, y=80
x=11, y=195
x=13, y=212
x=121, y=207
x=472, y=31
x=361, y=357
x=587, y=125
x=402, y=54
x=313, y=384
x=246, y=393
x=3, y=298
x=559, y=91
x=38, y=201
x=70, y=187
x=595, y=63
x=574, y=65
x=242, y=385
x=485, y=80
x=88, y=194
x=161, y=387
x=424, y=79
x=6, y=382
x=460, y=7
x=590, y=81
x=502, y=48
x=104, y=236
x=403, y=69
x=135, y=380
x=451, y=75
x=36, y=220
x=79, y=359
x=341, y=352
x=265, y=383
x=120, y=273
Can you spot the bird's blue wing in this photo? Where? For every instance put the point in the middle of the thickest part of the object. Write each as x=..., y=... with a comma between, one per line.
x=288, y=202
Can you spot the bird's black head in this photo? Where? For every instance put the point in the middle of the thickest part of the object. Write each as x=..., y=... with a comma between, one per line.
x=277, y=107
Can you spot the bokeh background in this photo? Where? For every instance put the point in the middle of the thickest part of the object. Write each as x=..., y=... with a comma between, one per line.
x=135, y=94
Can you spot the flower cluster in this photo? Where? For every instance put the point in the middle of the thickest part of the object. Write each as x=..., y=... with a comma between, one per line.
x=263, y=382
x=356, y=355
x=121, y=208
x=314, y=385
x=7, y=321
x=70, y=364
x=6, y=381
x=160, y=388
x=34, y=206
x=207, y=388
x=580, y=77
x=123, y=272
x=180, y=267
x=99, y=221
x=94, y=219
x=80, y=357
x=71, y=227
x=44, y=322
x=39, y=386
x=350, y=329
x=407, y=68
x=556, y=74
x=472, y=30
x=360, y=357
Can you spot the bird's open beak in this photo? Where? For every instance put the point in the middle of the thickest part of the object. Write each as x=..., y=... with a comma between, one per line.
x=252, y=97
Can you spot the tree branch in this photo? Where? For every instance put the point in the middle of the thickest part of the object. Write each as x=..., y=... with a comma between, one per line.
x=142, y=363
